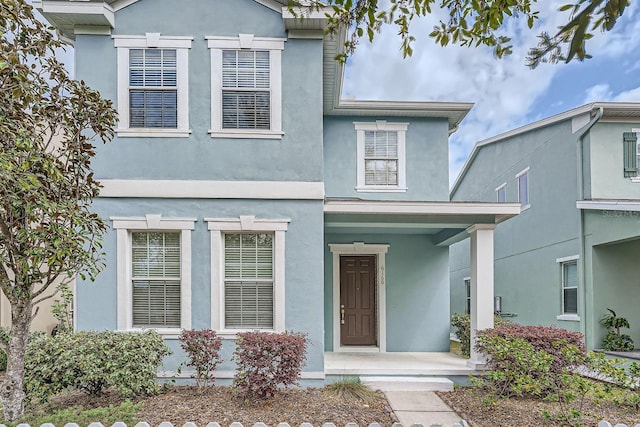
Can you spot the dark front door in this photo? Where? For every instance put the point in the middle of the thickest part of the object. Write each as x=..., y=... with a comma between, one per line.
x=358, y=300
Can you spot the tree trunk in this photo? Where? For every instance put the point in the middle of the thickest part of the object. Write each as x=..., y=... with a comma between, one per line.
x=11, y=391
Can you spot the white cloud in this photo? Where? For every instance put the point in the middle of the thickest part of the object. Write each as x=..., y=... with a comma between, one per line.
x=632, y=95
x=504, y=91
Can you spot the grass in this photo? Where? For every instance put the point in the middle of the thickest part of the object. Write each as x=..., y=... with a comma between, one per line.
x=124, y=412
x=352, y=388
x=455, y=349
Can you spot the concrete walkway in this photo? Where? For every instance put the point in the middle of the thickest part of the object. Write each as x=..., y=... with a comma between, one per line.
x=422, y=407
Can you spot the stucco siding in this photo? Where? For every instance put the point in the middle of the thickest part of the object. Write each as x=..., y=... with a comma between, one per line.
x=607, y=172
x=426, y=159
x=527, y=276
x=295, y=157
x=97, y=301
x=417, y=291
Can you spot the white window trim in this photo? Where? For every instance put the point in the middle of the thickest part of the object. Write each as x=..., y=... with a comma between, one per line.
x=124, y=226
x=500, y=187
x=381, y=125
x=153, y=40
x=275, y=46
x=637, y=132
x=521, y=173
x=219, y=226
x=570, y=317
x=361, y=248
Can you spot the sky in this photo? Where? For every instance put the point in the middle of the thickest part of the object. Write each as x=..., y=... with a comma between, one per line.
x=506, y=93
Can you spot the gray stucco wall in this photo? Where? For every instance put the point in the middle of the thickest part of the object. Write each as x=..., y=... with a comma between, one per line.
x=527, y=275
x=606, y=168
x=612, y=244
x=304, y=286
x=426, y=156
x=296, y=157
x=417, y=291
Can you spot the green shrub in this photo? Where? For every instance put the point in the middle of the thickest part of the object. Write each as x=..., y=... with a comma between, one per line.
x=616, y=340
x=265, y=361
x=125, y=412
x=93, y=361
x=462, y=323
x=351, y=388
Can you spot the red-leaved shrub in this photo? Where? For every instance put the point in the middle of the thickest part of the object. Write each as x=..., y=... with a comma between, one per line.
x=546, y=338
x=265, y=361
x=203, y=351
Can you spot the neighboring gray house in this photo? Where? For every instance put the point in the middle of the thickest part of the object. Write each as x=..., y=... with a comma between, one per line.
x=573, y=251
x=244, y=194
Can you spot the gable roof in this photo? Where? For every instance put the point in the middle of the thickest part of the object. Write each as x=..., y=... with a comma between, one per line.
x=580, y=116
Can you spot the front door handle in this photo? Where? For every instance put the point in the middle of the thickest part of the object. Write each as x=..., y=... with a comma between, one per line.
x=342, y=314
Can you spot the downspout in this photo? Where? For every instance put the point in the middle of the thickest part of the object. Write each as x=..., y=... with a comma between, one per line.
x=580, y=147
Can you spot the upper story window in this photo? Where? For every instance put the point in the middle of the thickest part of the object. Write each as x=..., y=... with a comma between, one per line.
x=501, y=193
x=523, y=188
x=246, y=86
x=381, y=156
x=153, y=85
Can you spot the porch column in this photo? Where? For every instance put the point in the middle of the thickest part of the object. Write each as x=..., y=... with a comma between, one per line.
x=481, y=286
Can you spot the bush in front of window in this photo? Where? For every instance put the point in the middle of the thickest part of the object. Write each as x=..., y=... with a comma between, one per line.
x=266, y=361
x=203, y=352
x=93, y=361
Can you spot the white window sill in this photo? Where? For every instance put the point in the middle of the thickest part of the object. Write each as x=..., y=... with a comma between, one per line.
x=635, y=179
x=153, y=133
x=232, y=334
x=379, y=189
x=246, y=134
x=569, y=317
x=524, y=207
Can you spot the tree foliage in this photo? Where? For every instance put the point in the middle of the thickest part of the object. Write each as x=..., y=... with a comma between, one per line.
x=47, y=230
x=470, y=23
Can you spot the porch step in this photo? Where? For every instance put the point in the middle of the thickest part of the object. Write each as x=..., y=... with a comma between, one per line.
x=408, y=383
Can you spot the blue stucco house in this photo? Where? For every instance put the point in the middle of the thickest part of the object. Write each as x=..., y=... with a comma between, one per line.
x=243, y=193
x=573, y=251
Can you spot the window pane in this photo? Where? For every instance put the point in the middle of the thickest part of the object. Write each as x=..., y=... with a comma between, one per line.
x=151, y=72
x=249, y=280
x=501, y=195
x=381, y=172
x=570, y=273
x=523, y=188
x=246, y=110
x=156, y=279
x=570, y=301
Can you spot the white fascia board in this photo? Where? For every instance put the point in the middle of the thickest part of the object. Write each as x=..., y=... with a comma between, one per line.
x=201, y=189
x=307, y=13
x=433, y=208
x=608, y=205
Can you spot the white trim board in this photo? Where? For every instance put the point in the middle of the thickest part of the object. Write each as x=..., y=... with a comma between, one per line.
x=200, y=189
x=608, y=205
x=360, y=248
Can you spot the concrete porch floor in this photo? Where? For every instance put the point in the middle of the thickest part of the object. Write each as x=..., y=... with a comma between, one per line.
x=396, y=363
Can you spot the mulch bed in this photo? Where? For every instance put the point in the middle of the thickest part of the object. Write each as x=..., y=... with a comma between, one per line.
x=181, y=404
x=521, y=412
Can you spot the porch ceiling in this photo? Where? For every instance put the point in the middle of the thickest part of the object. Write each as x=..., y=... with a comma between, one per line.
x=445, y=222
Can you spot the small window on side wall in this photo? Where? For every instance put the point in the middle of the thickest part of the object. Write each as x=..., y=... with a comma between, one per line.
x=523, y=188
x=501, y=193
x=467, y=301
x=570, y=287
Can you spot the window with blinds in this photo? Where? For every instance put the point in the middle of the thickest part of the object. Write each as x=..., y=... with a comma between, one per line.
x=246, y=91
x=248, y=281
x=570, y=287
x=381, y=158
x=153, y=88
x=156, y=279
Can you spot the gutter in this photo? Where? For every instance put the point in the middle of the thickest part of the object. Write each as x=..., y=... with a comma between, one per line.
x=582, y=274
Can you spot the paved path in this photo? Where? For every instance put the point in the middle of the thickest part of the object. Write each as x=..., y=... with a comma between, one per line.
x=422, y=407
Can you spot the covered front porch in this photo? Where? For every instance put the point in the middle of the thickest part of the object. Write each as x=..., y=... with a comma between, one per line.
x=387, y=285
